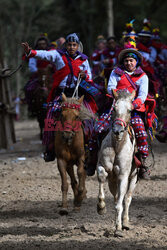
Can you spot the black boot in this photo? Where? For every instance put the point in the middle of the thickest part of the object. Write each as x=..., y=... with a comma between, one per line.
x=49, y=156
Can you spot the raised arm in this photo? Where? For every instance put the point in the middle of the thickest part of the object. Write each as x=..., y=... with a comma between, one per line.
x=51, y=55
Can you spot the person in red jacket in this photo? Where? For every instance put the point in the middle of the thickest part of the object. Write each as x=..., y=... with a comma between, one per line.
x=129, y=75
x=149, y=54
x=70, y=64
x=97, y=56
x=110, y=55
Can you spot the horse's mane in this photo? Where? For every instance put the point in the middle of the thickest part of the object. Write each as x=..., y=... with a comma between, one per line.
x=123, y=94
x=84, y=113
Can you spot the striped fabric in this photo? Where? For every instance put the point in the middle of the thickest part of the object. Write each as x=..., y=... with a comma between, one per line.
x=140, y=134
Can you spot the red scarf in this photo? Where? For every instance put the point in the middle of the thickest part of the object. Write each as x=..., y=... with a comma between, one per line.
x=63, y=72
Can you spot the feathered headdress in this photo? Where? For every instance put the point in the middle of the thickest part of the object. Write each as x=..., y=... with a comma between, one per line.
x=129, y=30
x=146, y=31
x=130, y=47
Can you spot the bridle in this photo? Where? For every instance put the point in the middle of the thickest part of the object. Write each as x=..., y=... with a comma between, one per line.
x=121, y=122
x=71, y=132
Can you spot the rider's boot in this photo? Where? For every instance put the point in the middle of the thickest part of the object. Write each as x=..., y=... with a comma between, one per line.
x=144, y=172
x=49, y=154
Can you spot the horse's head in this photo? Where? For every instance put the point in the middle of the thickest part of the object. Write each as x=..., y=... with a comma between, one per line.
x=122, y=112
x=70, y=119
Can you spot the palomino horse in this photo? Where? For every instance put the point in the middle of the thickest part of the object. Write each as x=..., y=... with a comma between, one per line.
x=69, y=149
x=115, y=161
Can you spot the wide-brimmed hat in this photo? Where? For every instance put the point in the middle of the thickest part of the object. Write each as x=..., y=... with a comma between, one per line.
x=130, y=47
x=123, y=53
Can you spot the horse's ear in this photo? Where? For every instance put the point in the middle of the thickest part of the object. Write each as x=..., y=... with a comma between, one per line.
x=115, y=94
x=81, y=99
x=133, y=94
x=64, y=98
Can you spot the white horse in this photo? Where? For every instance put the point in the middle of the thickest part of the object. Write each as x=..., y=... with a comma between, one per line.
x=115, y=161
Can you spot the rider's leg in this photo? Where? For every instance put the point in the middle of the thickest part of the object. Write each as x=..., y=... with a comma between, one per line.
x=91, y=159
x=49, y=154
x=48, y=138
x=142, y=144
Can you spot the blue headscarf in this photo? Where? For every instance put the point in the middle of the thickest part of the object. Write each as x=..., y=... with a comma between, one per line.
x=72, y=38
x=133, y=55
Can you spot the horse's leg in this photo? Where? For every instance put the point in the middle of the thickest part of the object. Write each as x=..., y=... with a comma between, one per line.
x=112, y=183
x=128, y=199
x=62, y=165
x=122, y=189
x=81, y=186
x=74, y=184
x=101, y=174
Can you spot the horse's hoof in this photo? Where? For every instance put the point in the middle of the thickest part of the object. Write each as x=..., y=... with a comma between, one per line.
x=125, y=227
x=77, y=203
x=63, y=211
x=76, y=209
x=118, y=233
x=100, y=210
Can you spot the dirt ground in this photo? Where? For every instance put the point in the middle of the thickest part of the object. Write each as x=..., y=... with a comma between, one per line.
x=31, y=197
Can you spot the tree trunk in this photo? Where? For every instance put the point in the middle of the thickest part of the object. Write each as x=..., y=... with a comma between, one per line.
x=7, y=133
x=110, y=18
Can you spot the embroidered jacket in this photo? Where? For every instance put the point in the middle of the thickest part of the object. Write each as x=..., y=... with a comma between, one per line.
x=67, y=68
x=139, y=81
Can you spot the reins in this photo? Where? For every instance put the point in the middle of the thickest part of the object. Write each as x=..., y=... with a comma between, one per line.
x=75, y=94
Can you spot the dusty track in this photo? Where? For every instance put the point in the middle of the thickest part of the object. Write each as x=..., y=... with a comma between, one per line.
x=30, y=198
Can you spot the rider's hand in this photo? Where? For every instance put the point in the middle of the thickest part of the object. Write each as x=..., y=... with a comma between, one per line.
x=82, y=74
x=137, y=103
x=26, y=47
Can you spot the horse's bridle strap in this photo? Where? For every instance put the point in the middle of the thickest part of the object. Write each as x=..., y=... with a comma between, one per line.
x=71, y=106
x=120, y=121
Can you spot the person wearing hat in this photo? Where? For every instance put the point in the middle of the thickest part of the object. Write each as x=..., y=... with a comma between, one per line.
x=35, y=66
x=70, y=63
x=110, y=55
x=129, y=75
x=97, y=56
x=149, y=54
x=41, y=43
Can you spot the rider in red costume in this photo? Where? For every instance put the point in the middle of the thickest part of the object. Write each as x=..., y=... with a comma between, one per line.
x=70, y=64
x=149, y=54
